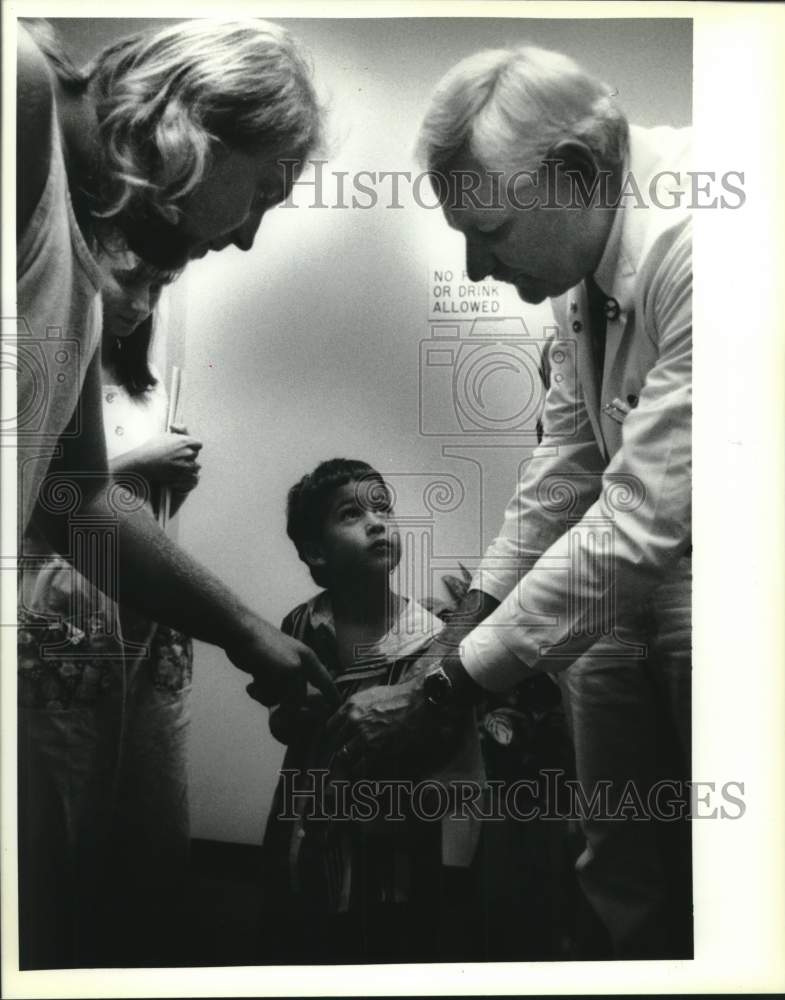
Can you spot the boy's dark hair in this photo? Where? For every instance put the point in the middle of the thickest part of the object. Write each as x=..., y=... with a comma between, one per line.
x=308, y=502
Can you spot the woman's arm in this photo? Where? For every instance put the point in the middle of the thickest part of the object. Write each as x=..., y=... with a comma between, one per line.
x=34, y=100
x=80, y=508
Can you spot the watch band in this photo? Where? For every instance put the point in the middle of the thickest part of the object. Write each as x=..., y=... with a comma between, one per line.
x=449, y=685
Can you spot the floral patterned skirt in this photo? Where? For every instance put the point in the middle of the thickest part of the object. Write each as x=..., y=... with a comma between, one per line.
x=103, y=698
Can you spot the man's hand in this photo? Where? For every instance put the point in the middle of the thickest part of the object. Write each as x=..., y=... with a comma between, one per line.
x=281, y=666
x=473, y=608
x=391, y=731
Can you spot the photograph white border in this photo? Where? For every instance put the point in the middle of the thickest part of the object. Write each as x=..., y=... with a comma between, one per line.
x=738, y=542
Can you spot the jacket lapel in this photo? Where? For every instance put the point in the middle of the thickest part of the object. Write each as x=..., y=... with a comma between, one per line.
x=616, y=275
x=611, y=381
x=578, y=324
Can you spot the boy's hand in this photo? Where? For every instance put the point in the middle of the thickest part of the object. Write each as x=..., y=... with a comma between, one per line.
x=280, y=665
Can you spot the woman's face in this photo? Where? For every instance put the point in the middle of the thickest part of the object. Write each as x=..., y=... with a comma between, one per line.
x=129, y=297
x=228, y=204
x=226, y=207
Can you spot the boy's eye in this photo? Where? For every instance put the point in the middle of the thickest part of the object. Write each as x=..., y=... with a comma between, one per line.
x=347, y=513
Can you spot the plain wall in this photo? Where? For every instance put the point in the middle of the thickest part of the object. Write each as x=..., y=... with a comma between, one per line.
x=309, y=346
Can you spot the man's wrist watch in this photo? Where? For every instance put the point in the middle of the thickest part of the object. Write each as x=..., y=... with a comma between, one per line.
x=448, y=685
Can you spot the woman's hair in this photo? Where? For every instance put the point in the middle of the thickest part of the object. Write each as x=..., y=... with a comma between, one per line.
x=129, y=357
x=164, y=101
x=308, y=502
x=509, y=107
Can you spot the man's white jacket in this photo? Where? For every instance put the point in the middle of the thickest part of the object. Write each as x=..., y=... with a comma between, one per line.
x=602, y=512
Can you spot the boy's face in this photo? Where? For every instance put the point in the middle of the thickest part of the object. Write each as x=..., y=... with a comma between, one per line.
x=359, y=538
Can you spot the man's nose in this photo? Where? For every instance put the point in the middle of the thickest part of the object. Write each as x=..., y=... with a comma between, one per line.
x=245, y=234
x=480, y=262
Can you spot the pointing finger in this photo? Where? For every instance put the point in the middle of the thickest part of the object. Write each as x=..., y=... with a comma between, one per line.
x=319, y=676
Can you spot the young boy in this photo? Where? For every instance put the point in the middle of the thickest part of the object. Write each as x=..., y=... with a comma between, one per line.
x=344, y=889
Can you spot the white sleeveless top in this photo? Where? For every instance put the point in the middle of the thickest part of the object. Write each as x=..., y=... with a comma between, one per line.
x=130, y=421
x=59, y=323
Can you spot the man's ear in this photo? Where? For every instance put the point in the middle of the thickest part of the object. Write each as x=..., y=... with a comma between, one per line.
x=574, y=154
x=573, y=157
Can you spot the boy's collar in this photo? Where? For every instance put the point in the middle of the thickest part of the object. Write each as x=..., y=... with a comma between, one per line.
x=320, y=611
x=418, y=620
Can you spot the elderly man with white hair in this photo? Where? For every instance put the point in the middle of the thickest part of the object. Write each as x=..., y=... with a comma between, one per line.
x=589, y=578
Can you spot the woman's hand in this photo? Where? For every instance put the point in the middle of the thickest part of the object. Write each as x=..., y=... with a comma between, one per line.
x=282, y=667
x=168, y=459
x=297, y=717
